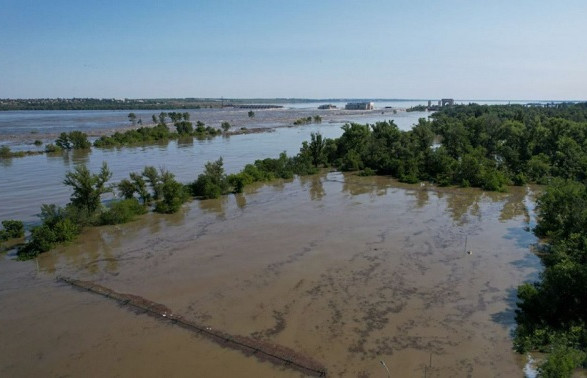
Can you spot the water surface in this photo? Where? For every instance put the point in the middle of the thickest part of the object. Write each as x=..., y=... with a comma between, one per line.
x=348, y=270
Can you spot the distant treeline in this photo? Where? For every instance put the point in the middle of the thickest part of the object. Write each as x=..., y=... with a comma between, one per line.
x=108, y=104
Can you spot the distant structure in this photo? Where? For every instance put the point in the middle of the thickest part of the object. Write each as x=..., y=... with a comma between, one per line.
x=327, y=106
x=447, y=102
x=441, y=103
x=360, y=106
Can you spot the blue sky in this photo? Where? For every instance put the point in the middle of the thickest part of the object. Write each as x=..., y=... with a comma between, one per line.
x=312, y=49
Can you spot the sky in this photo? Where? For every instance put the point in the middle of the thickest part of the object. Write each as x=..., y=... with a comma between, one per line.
x=413, y=49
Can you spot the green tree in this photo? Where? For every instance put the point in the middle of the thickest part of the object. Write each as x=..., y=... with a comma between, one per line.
x=87, y=187
x=213, y=182
x=225, y=126
x=174, y=194
x=132, y=117
x=316, y=147
x=251, y=114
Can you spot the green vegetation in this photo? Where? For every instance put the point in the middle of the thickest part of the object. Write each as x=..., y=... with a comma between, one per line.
x=308, y=120
x=225, y=126
x=132, y=117
x=6, y=153
x=51, y=148
x=122, y=211
x=482, y=146
x=87, y=187
x=552, y=312
x=212, y=183
x=159, y=133
x=168, y=194
x=417, y=108
x=75, y=140
x=12, y=229
x=38, y=142
x=251, y=114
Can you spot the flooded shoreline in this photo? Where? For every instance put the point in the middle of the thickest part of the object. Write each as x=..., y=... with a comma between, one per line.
x=20, y=129
x=346, y=269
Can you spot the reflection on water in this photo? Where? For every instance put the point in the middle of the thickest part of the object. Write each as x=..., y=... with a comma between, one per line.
x=314, y=184
x=215, y=206
x=241, y=200
x=6, y=162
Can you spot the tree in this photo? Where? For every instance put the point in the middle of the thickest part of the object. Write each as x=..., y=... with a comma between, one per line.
x=225, y=126
x=251, y=114
x=317, y=148
x=174, y=193
x=75, y=140
x=162, y=117
x=132, y=118
x=88, y=187
x=212, y=183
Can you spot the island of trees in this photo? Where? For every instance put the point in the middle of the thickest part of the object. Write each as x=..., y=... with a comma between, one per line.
x=489, y=147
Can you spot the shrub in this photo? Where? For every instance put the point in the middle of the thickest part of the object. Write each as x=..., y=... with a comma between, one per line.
x=122, y=211
x=37, y=142
x=561, y=362
x=212, y=183
x=52, y=148
x=174, y=194
x=12, y=229
x=5, y=152
x=76, y=140
x=367, y=172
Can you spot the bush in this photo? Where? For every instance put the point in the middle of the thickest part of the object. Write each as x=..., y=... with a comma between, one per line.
x=212, y=183
x=367, y=172
x=174, y=195
x=205, y=187
x=561, y=362
x=75, y=140
x=5, y=152
x=13, y=229
x=52, y=148
x=493, y=180
x=122, y=212
x=45, y=237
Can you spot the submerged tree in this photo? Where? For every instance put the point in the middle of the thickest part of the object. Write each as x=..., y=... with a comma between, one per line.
x=88, y=187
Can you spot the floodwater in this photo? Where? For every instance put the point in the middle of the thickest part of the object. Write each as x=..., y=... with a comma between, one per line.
x=29, y=182
x=348, y=270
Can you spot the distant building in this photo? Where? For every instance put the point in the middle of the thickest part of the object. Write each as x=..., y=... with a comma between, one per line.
x=360, y=106
x=327, y=106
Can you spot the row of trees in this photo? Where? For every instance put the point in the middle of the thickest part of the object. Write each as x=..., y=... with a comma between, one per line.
x=552, y=312
x=151, y=188
x=483, y=146
x=63, y=224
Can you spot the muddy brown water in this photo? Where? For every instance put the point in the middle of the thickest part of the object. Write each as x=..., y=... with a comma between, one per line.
x=345, y=269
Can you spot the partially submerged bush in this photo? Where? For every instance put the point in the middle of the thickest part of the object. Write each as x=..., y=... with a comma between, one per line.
x=122, y=211
x=13, y=229
x=212, y=183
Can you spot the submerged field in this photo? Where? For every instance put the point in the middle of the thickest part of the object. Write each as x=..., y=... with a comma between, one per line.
x=345, y=269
